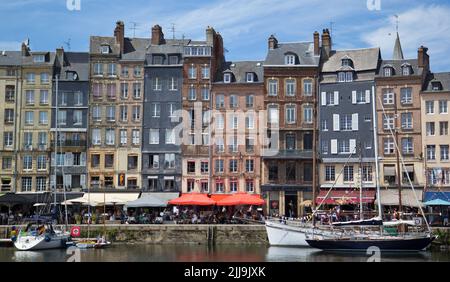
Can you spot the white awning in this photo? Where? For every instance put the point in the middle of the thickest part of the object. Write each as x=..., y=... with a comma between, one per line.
x=109, y=199
x=390, y=197
x=152, y=200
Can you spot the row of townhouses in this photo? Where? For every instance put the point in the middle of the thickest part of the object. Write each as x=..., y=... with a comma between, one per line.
x=172, y=115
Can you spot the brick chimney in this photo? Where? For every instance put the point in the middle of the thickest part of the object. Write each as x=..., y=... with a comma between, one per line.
x=210, y=34
x=119, y=34
x=423, y=57
x=273, y=42
x=157, y=35
x=25, y=48
x=60, y=56
x=326, y=43
x=316, y=44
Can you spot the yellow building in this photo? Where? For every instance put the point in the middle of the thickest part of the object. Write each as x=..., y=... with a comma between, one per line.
x=10, y=86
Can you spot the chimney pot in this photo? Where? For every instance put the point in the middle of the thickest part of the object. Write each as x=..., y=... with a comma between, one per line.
x=157, y=35
x=119, y=34
x=316, y=43
x=273, y=42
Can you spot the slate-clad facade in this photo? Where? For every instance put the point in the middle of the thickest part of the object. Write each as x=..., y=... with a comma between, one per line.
x=161, y=151
x=70, y=104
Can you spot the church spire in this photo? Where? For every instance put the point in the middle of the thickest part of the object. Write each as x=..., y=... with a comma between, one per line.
x=398, y=52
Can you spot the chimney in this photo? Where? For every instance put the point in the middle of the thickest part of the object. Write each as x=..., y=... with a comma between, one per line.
x=119, y=34
x=25, y=48
x=273, y=42
x=60, y=56
x=423, y=57
x=326, y=43
x=210, y=33
x=157, y=35
x=316, y=44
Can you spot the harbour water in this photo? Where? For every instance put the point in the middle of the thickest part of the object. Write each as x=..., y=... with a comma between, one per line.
x=202, y=253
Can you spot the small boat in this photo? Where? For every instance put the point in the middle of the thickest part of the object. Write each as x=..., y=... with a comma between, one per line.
x=91, y=244
x=41, y=237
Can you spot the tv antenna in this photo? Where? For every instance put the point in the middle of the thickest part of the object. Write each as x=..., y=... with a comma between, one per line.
x=134, y=27
x=67, y=44
x=172, y=29
x=396, y=22
x=331, y=29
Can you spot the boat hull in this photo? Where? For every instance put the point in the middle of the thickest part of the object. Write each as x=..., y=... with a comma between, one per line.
x=414, y=244
x=284, y=235
x=31, y=243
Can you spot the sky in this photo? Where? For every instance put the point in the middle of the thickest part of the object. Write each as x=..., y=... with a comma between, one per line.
x=244, y=24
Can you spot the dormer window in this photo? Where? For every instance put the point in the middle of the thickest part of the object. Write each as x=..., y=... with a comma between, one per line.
x=158, y=59
x=227, y=78
x=436, y=86
x=39, y=58
x=388, y=71
x=250, y=77
x=406, y=70
x=347, y=62
x=173, y=60
x=71, y=75
x=104, y=49
x=345, y=76
x=289, y=59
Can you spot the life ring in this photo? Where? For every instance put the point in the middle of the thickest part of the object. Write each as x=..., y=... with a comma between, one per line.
x=75, y=231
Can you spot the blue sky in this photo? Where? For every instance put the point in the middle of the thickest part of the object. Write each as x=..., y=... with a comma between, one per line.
x=244, y=24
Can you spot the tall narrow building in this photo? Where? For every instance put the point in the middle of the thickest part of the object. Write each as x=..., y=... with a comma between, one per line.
x=34, y=125
x=202, y=60
x=115, y=121
x=10, y=90
x=161, y=154
x=237, y=130
x=346, y=118
x=399, y=83
x=291, y=73
x=70, y=104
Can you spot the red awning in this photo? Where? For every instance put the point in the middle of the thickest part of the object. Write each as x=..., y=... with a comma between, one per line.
x=241, y=199
x=218, y=197
x=343, y=196
x=193, y=199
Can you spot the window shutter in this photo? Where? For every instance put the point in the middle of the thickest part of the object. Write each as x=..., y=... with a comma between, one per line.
x=83, y=181
x=83, y=159
x=336, y=123
x=334, y=147
x=353, y=97
x=352, y=146
x=324, y=98
x=68, y=180
x=367, y=96
x=336, y=97
x=355, y=122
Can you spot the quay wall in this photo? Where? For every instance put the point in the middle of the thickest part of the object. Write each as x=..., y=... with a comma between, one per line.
x=174, y=233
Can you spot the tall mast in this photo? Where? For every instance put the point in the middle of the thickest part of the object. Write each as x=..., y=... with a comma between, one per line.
x=56, y=142
x=397, y=153
x=375, y=148
x=361, y=215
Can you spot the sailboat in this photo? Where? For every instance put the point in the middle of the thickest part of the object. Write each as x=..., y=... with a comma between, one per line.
x=363, y=237
x=39, y=233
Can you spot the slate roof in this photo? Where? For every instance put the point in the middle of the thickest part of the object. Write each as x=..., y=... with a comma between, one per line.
x=11, y=58
x=135, y=49
x=240, y=69
x=303, y=50
x=97, y=41
x=28, y=60
x=442, y=77
x=78, y=62
x=363, y=60
x=397, y=65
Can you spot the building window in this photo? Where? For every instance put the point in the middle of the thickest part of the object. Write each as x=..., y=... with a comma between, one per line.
x=290, y=86
x=307, y=87
x=233, y=186
x=330, y=173
x=8, y=138
x=45, y=77
x=156, y=110
x=388, y=121
x=367, y=175
x=249, y=101
x=444, y=152
x=192, y=95
x=9, y=116
x=110, y=113
x=10, y=93
x=345, y=76
x=290, y=142
x=205, y=93
x=291, y=171
x=43, y=97
x=220, y=146
x=250, y=121
x=443, y=106
x=430, y=130
x=249, y=165
x=173, y=84
x=443, y=128
x=204, y=167
x=123, y=137
x=249, y=77
x=407, y=146
x=110, y=136
x=233, y=101
x=154, y=136
x=95, y=161
x=26, y=184
x=308, y=114
x=429, y=106
x=153, y=161
x=348, y=173
x=205, y=72
x=344, y=147
x=233, y=166
x=170, y=136
x=406, y=95
x=388, y=96
x=135, y=136
x=220, y=101
x=109, y=161
x=389, y=146
x=191, y=167
x=227, y=78
x=112, y=69
x=431, y=152
x=30, y=77
x=137, y=71
x=42, y=162
x=272, y=87
x=136, y=113
x=249, y=186
x=290, y=114
x=192, y=72
x=219, y=166
x=219, y=186
x=96, y=137
x=289, y=59
x=346, y=122
x=27, y=162
x=273, y=171
x=406, y=70
x=132, y=162
x=7, y=163
x=407, y=121
x=29, y=97
x=124, y=90
x=29, y=118
x=388, y=71
x=169, y=161
x=173, y=60
x=77, y=118
x=136, y=90
x=273, y=114
x=104, y=49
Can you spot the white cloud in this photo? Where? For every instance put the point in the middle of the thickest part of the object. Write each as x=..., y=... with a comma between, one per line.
x=10, y=45
x=423, y=25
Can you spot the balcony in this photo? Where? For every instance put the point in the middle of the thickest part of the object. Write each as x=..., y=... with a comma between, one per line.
x=71, y=143
x=289, y=154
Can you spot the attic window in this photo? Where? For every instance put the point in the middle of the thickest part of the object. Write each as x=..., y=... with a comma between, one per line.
x=104, y=49
x=39, y=58
x=173, y=60
x=71, y=75
x=347, y=62
x=289, y=59
x=158, y=59
x=250, y=77
x=388, y=71
x=227, y=78
x=436, y=86
x=406, y=70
